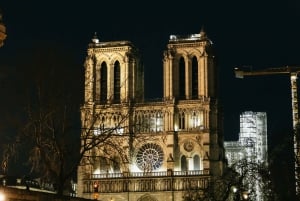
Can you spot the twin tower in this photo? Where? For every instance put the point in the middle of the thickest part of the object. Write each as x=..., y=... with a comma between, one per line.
x=156, y=147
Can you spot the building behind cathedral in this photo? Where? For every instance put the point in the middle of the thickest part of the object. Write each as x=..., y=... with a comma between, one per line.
x=251, y=145
x=156, y=150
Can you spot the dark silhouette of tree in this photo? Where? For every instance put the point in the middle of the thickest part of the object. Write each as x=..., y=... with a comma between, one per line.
x=50, y=135
x=281, y=164
x=50, y=87
x=237, y=181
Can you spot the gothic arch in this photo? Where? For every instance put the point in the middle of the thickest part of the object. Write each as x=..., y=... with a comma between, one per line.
x=117, y=57
x=103, y=57
x=147, y=197
x=182, y=53
x=197, y=53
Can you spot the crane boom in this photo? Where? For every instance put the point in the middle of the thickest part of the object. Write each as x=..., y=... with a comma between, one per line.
x=292, y=71
x=269, y=71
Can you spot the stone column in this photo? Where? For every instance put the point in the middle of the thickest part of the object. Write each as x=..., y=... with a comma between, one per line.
x=89, y=79
x=190, y=163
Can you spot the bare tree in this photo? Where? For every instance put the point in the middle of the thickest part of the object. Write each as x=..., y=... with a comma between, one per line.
x=49, y=85
x=54, y=135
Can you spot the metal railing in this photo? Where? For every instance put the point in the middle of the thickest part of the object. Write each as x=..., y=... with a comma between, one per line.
x=149, y=174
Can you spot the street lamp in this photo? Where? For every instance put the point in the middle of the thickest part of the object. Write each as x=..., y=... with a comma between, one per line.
x=239, y=194
x=245, y=195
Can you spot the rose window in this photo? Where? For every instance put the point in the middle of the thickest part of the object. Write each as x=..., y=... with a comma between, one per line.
x=149, y=157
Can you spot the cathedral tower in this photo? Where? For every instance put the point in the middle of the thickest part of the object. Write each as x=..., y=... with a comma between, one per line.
x=189, y=68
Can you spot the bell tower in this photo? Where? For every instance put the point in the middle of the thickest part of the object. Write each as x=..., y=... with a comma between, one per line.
x=113, y=73
x=190, y=82
x=189, y=67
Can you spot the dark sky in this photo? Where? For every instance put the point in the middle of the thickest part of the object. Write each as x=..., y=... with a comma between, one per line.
x=261, y=34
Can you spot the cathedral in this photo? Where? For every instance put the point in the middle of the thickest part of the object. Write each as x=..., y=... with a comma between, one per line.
x=169, y=149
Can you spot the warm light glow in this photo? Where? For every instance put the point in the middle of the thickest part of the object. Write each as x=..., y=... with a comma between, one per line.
x=234, y=189
x=120, y=131
x=97, y=131
x=96, y=171
x=2, y=196
x=176, y=127
x=245, y=195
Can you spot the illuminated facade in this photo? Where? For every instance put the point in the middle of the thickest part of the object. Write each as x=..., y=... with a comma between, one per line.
x=164, y=148
x=252, y=143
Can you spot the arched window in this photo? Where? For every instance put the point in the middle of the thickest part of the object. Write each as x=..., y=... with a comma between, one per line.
x=194, y=78
x=103, y=83
x=181, y=78
x=117, y=85
x=116, y=164
x=103, y=164
x=183, y=163
x=196, y=162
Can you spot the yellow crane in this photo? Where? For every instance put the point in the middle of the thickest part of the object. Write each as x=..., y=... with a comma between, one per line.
x=292, y=71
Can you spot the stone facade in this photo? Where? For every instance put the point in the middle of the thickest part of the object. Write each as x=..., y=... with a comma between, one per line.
x=156, y=150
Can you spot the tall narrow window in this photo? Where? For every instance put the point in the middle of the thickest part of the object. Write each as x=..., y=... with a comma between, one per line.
x=103, y=83
x=196, y=162
x=117, y=85
x=103, y=164
x=194, y=78
x=183, y=163
x=181, y=78
x=194, y=121
x=116, y=164
x=156, y=122
x=181, y=121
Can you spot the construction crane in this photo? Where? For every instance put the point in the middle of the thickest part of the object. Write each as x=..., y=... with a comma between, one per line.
x=292, y=71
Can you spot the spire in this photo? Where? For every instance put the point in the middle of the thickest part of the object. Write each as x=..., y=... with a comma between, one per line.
x=95, y=38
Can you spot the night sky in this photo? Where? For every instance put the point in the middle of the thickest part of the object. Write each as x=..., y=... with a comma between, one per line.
x=260, y=34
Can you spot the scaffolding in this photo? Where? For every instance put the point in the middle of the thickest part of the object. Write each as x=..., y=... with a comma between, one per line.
x=292, y=71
